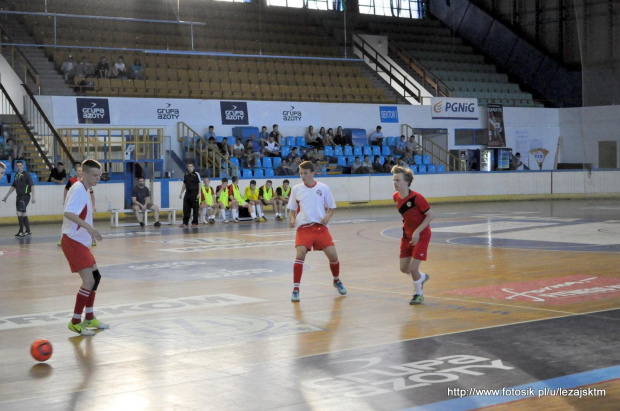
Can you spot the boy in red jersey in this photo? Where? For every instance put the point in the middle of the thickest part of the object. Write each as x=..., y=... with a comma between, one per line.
x=417, y=216
x=311, y=205
x=77, y=236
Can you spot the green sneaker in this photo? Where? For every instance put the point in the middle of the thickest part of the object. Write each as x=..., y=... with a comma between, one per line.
x=295, y=296
x=95, y=323
x=417, y=299
x=338, y=285
x=59, y=243
x=80, y=329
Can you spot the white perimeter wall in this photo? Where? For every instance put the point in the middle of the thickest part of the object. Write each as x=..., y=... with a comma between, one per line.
x=352, y=189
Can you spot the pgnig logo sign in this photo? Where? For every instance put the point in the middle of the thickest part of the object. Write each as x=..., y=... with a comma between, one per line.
x=454, y=108
x=234, y=112
x=93, y=111
x=388, y=114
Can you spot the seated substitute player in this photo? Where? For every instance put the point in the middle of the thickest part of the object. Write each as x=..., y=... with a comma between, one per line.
x=267, y=196
x=141, y=201
x=236, y=200
x=282, y=194
x=207, y=202
x=311, y=206
x=77, y=236
x=252, y=197
x=222, y=196
x=417, y=216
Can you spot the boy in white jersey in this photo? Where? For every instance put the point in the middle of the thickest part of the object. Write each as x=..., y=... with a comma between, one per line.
x=77, y=236
x=311, y=205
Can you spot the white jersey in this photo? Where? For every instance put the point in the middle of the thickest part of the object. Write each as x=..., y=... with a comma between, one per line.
x=78, y=202
x=310, y=202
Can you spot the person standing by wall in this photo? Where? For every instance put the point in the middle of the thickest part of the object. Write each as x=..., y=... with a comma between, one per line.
x=24, y=188
x=191, y=188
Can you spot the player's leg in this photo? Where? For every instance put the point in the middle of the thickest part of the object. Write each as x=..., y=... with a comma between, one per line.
x=187, y=209
x=155, y=209
x=195, y=209
x=235, y=210
x=25, y=215
x=334, y=266
x=203, y=213
x=298, y=269
x=222, y=209
x=419, y=278
x=90, y=321
x=136, y=210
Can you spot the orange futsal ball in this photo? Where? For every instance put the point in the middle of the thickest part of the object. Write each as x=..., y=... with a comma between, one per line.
x=41, y=350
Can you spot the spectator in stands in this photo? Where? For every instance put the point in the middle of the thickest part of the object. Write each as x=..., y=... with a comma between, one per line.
x=238, y=149
x=84, y=69
x=403, y=163
x=250, y=156
x=401, y=144
x=295, y=165
x=256, y=144
x=141, y=201
x=293, y=154
x=312, y=139
x=285, y=168
x=14, y=149
x=356, y=167
x=411, y=149
x=136, y=71
x=328, y=138
x=67, y=68
x=272, y=149
x=376, y=138
x=58, y=174
x=276, y=134
x=74, y=171
x=225, y=149
x=210, y=133
x=263, y=136
x=103, y=68
x=318, y=167
x=377, y=167
x=341, y=139
x=212, y=147
x=120, y=69
x=388, y=164
x=367, y=165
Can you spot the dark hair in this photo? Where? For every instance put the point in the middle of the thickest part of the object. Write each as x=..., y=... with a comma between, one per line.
x=90, y=163
x=141, y=178
x=275, y=125
x=60, y=163
x=378, y=127
x=224, y=180
x=269, y=181
x=19, y=162
x=211, y=127
x=252, y=182
x=263, y=127
x=286, y=181
x=307, y=165
x=190, y=163
x=235, y=179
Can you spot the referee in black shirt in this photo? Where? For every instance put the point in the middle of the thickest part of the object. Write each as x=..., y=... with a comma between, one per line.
x=191, y=187
x=22, y=184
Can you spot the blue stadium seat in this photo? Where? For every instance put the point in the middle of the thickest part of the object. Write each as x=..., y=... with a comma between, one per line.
x=348, y=150
x=277, y=162
x=417, y=159
x=367, y=150
x=267, y=163
x=258, y=172
x=426, y=159
x=329, y=151
x=342, y=161
x=219, y=138
x=351, y=159
x=432, y=168
x=376, y=150
x=381, y=160
x=269, y=172
x=391, y=141
x=414, y=168
x=246, y=172
x=421, y=169
x=300, y=141
x=258, y=163
x=357, y=151
x=385, y=150
x=290, y=141
x=34, y=177
x=284, y=150
x=338, y=151
x=235, y=161
x=441, y=168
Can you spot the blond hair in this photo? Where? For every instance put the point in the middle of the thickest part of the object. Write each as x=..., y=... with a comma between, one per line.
x=405, y=171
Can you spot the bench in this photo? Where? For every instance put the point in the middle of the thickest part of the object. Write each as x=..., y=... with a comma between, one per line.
x=172, y=216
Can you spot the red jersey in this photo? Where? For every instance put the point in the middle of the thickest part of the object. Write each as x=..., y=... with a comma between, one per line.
x=413, y=209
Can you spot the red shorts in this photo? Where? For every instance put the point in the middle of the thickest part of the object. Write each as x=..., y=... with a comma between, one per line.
x=418, y=251
x=315, y=236
x=78, y=256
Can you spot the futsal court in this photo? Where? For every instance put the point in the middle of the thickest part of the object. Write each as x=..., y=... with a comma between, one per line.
x=523, y=299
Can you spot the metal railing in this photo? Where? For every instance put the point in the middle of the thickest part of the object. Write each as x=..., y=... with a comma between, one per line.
x=441, y=89
x=438, y=154
x=114, y=146
x=29, y=72
x=9, y=108
x=195, y=147
x=44, y=129
x=383, y=65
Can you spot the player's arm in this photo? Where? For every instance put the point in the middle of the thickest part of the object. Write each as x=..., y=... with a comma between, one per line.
x=77, y=220
x=31, y=185
x=428, y=217
x=328, y=215
x=9, y=193
x=134, y=201
x=92, y=198
x=182, y=190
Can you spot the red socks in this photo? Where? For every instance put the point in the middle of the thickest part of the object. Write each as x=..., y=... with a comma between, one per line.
x=335, y=267
x=81, y=300
x=298, y=269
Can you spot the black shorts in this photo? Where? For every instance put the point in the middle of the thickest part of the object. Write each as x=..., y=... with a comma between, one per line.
x=21, y=202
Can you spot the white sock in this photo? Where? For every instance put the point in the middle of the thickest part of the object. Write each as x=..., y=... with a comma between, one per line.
x=235, y=213
x=417, y=285
x=259, y=211
x=223, y=214
x=252, y=213
x=203, y=213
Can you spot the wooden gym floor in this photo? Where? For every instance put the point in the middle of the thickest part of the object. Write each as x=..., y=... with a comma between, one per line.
x=524, y=299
